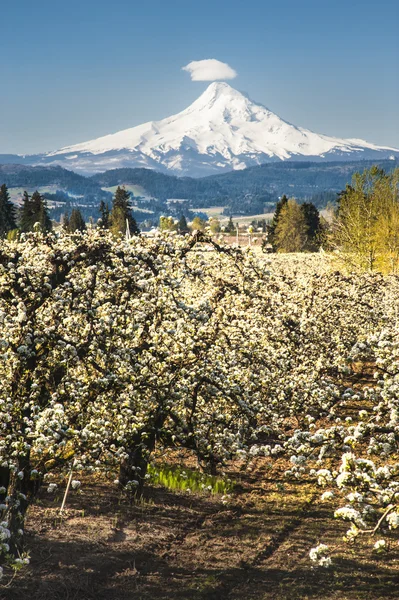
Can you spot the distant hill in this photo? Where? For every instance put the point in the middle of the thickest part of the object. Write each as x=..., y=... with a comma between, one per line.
x=255, y=185
x=163, y=186
x=299, y=179
x=247, y=192
x=17, y=175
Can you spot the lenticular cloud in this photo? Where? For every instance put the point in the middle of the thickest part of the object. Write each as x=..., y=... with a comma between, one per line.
x=209, y=69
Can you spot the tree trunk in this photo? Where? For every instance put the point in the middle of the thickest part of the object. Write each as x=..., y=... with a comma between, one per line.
x=4, y=483
x=134, y=468
x=21, y=493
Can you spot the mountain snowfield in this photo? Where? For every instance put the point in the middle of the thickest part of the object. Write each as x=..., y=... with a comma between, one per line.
x=222, y=130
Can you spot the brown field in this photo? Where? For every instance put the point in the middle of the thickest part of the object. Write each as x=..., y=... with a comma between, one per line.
x=191, y=546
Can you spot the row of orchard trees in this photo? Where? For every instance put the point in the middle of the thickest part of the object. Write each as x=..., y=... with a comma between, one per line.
x=110, y=348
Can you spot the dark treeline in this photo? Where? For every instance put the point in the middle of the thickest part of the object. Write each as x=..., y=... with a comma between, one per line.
x=31, y=215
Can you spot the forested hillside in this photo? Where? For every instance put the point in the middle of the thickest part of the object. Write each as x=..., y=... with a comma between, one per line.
x=14, y=175
x=250, y=188
x=247, y=192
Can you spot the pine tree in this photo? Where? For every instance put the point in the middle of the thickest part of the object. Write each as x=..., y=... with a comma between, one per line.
x=65, y=222
x=273, y=225
x=312, y=219
x=104, y=212
x=230, y=227
x=40, y=212
x=26, y=214
x=76, y=221
x=121, y=213
x=7, y=212
x=291, y=231
x=182, y=226
x=34, y=210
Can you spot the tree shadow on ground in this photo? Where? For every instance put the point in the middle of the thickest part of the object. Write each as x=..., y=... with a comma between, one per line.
x=172, y=545
x=90, y=571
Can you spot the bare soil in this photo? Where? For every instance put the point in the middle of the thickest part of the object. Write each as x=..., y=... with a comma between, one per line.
x=193, y=547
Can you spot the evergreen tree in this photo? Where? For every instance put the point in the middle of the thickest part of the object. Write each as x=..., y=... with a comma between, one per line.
x=104, y=212
x=273, y=225
x=182, y=226
x=291, y=232
x=34, y=210
x=7, y=212
x=76, y=221
x=230, y=227
x=65, y=221
x=26, y=214
x=312, y=219
x=121, y=213
x=40, y=212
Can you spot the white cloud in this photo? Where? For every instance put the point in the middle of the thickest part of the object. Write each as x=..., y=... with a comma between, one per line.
x=209, y=69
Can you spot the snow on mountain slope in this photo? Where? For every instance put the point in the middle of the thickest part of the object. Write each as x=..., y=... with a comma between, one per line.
x=222, y=130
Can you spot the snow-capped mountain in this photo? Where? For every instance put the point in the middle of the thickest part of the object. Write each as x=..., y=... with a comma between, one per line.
x=222, y=130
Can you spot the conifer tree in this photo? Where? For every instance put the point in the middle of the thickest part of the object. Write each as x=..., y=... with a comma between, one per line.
x=182, y=226
x=65, y=222
x=273, y=225
x=76, y=221
x=312, y=219
x=34, y=210
x=7, y=212
x=40, y=211
x=104, y=212
x=26, y=213
x=121, y=213
x=291, y=232
x=230, y=227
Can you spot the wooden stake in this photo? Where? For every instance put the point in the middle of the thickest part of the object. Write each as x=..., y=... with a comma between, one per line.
x=66, y=492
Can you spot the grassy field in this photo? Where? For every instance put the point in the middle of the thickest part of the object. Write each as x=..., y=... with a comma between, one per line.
x=216, y=212
x=136, y=190
x=16, y=193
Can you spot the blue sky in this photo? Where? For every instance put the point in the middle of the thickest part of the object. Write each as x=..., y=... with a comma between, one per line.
x=75, y=70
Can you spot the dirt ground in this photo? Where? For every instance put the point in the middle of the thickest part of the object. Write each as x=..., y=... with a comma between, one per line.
x=191, y=546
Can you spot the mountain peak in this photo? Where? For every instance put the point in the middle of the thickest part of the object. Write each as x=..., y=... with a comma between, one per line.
x=219, y=90
x=222, y=130
x=220, y=87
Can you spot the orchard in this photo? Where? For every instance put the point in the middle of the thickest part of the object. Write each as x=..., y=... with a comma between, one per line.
x=112, y=351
